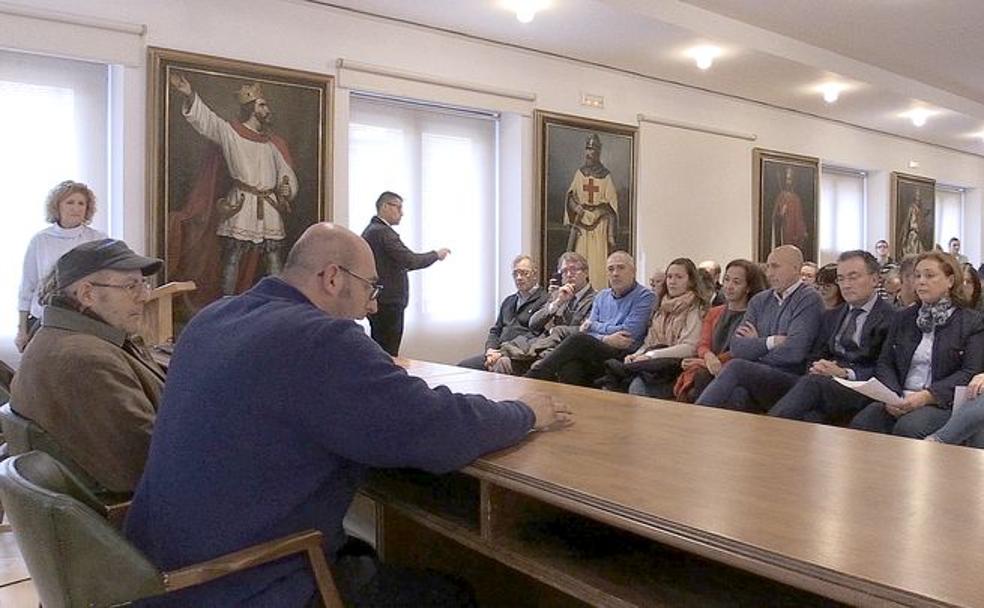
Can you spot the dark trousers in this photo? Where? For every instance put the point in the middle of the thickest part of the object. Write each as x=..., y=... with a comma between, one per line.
x=579, y=359
x=364, y=582
x=387, y=327
x=475, y=362
x=747, y=386
x=817, y=398
x=919, y=423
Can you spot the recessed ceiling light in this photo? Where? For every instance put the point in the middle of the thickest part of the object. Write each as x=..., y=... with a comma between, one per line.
x=918, y=116
x=704, y=55
x=831, y=91
x=526, y=10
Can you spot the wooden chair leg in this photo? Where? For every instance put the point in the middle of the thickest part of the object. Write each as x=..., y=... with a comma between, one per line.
x=323, y=578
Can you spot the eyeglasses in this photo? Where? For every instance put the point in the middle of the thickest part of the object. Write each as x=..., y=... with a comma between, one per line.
x=519, y=272
x=376, y=287
x=132, y=289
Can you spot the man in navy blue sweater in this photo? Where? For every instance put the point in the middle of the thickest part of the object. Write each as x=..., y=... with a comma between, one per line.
x=275, y=406
x=772, y=343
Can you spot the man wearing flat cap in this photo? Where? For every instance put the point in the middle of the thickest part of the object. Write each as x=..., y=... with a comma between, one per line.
x=85, y=377
x=592, y=212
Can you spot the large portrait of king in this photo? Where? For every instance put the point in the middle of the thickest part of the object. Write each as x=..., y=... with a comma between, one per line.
x=586, y=189
x=238, y=166
x=786, y=197
x=913, y=214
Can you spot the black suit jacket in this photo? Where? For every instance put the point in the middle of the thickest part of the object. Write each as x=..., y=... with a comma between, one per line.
x=512, y=323
x=873, y=334
x=958, y=352
x=393, y=260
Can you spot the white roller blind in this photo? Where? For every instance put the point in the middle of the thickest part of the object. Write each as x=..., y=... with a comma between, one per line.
x=55, y=128
x=949, y=215
x=443, y=163
x=842, y=204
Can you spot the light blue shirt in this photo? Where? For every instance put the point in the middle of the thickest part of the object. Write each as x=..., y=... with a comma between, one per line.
x=920, y=373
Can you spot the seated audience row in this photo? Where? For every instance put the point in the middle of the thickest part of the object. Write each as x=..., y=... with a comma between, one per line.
x=776, y=351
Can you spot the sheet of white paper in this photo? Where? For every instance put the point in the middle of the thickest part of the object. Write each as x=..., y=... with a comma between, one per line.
x=959, y=397
x=872, y=388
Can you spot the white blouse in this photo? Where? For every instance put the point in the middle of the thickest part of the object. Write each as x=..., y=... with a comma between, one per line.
x=42, y=252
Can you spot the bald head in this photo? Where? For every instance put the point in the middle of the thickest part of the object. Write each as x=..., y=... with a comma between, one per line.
x=334, y=268
x=322, y=243
x=712, y=268
x=783, y=267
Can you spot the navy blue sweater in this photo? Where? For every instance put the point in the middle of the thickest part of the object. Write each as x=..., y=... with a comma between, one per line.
x=797, y=318
x=272, y=412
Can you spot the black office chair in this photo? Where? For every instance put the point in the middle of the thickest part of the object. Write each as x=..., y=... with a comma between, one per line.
x=77, y=558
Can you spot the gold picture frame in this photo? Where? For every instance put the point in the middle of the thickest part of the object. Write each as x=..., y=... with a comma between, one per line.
x=586, y=226
x=206, y=180
x=913, y=214
x=786, y=195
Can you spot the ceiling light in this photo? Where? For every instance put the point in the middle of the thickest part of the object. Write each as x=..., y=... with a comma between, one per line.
x=526, y=10
x=919, y=116
x=704, y=55
x=831, y=91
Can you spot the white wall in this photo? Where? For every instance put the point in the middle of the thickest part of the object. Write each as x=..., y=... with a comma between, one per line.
x=694, y=188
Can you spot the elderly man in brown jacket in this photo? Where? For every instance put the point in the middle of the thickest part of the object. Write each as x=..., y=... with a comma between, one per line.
x=84, y=377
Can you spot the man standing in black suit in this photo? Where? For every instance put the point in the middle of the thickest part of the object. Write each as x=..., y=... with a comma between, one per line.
x=850, y=342
x=393, y=261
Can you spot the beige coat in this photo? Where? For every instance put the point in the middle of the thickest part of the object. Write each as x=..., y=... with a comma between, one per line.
x=94, y=391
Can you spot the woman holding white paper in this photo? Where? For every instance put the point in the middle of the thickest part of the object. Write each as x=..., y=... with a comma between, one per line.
x=930, y=350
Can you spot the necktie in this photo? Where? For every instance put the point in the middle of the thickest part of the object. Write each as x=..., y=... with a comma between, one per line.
x=850, y=327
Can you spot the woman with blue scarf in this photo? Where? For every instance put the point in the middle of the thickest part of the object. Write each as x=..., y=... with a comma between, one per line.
x=931, y=349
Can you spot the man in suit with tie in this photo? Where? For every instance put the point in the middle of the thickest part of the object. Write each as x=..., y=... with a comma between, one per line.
x=393, y=261
x=850, y=341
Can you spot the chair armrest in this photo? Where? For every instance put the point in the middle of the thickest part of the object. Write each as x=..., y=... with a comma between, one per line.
x=309, y=541
x=116, y=511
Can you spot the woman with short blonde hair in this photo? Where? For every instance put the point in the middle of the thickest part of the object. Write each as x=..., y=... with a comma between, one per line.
x=69, y=208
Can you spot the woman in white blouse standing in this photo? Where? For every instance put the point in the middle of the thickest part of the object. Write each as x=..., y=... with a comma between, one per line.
x=69, y=207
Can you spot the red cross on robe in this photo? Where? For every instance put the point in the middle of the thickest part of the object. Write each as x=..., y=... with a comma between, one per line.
x=591, y=189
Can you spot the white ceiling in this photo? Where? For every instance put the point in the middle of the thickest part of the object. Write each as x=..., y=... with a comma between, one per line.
x=896, y=54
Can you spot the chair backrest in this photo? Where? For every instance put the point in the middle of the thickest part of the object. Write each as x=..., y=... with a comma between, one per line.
x=24, y=435
x=6, y=378
x=75, y=557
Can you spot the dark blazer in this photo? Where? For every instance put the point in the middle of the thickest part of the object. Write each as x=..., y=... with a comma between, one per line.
x=958, y=352
x=512, y=323
x=873, y=334
x=393, y=260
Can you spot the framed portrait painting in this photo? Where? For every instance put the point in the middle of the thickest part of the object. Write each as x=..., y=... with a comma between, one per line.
x=913, y=214
x=239, y=165
x=786, y=197
x=586, y=189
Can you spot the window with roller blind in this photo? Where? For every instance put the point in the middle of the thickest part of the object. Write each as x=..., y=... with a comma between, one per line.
x=949, y=214
x=842, y=211
x=442, y=161
x=56, y=127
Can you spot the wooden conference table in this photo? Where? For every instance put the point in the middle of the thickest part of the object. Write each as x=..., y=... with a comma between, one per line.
x=652, y=503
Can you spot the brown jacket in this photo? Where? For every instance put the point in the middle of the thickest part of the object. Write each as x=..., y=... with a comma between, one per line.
x=94, y=390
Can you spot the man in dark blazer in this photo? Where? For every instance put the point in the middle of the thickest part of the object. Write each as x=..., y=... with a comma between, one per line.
x=393, y=261
x=850, y=341
x=514, y=317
